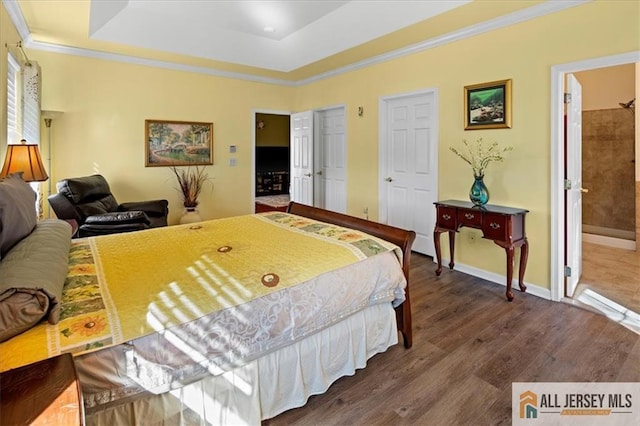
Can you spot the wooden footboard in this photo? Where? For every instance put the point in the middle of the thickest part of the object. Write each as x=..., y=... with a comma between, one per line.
x=400, y=237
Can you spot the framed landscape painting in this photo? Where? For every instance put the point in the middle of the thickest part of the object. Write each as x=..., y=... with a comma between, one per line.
x=487, y=105
x=178, y=143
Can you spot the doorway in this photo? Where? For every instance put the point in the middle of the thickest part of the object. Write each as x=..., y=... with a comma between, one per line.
x=559, y=249
x=608, y=147
x=280, y=151
x=271, y=161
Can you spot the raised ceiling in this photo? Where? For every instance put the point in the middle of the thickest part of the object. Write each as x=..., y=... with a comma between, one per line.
x=308, y=37
x=302, y=32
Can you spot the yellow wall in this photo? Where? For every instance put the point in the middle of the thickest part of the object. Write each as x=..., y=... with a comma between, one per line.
x=105, y=105
x=102, y=129
x=605, y=88
x=524, y=53
x=275, y=131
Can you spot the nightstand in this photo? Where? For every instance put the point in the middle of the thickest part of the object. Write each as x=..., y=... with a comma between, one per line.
x=45, y=392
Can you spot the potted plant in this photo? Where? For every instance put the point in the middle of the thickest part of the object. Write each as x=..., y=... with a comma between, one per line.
x=190, y=184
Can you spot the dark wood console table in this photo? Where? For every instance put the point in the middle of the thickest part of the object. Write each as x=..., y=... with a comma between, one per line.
x=503, y=225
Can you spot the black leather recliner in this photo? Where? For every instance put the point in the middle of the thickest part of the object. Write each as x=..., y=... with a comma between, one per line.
x=89, y=201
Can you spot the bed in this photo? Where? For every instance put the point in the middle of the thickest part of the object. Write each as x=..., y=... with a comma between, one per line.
x=277, y=333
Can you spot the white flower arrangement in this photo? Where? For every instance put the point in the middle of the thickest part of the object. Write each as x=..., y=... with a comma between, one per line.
x=478, y=156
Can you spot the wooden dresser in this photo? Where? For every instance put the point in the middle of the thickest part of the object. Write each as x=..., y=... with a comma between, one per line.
x=503, y=225
x=43, y=393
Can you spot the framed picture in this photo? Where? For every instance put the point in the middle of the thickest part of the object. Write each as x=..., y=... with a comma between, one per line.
x=178, y=143
x=488, y=105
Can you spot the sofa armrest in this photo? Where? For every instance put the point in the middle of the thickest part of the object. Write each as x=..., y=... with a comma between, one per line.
x=151, y=207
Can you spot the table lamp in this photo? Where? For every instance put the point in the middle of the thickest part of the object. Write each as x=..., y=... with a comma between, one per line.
x=24, y=158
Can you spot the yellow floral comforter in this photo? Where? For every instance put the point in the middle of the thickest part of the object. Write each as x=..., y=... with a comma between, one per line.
x=121, y=287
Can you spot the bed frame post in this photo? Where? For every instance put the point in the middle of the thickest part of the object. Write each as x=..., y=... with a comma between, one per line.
x=400, y=237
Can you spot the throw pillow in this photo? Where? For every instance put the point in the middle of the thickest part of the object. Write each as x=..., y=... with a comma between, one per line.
x=17, y=211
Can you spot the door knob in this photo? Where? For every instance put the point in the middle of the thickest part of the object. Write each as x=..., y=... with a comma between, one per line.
x=389, y=179
x=307, y=174
x=584, y=190
x=319, y=173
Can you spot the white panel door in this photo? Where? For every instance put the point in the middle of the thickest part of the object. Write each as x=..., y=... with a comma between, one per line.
x=302, y=158
x=409, y=166
x=574, y=179
x=331, y=160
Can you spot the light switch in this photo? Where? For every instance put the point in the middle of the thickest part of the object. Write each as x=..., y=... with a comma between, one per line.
x=232, y=149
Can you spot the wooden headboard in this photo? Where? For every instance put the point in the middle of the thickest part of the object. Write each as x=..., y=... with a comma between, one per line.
x=400, y=237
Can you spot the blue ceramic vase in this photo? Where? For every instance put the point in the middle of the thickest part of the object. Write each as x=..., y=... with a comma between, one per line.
x=479, y=194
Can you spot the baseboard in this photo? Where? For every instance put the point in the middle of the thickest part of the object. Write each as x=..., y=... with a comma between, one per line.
x=609, y=241
x=543, y=293
x=608, y=232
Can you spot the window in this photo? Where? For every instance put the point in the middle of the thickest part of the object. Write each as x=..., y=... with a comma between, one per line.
x=23, y=109
x=23, y=101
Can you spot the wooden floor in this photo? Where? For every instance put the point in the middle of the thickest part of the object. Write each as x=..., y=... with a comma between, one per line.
x=613, y=273
x=469, y=345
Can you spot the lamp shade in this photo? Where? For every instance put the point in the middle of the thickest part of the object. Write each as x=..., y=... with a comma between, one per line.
x=24, y=158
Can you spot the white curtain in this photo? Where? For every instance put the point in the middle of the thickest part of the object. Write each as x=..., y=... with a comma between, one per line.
x=31, y=78
x=31, y=94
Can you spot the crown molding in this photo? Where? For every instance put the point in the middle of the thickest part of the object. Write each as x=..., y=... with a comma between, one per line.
x=533, y=12
x=551, y=6
x=15, y=14
x=135, y=60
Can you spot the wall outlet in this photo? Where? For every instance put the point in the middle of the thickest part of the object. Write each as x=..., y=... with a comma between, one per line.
x=232, y=162
x=365, y=213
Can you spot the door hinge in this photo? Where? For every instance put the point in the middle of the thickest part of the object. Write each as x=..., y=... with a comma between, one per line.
x=567, y=271
x=567, y=184
x=567, y=98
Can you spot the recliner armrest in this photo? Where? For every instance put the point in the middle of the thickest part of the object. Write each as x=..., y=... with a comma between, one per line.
x=92, y=230
x=151, y=207
x=63, y=208
x=115, y=218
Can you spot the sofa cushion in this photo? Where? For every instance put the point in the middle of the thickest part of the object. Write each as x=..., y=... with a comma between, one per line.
x=103, y=205
x=32, y=276
x=83, y=189
x=17, y=211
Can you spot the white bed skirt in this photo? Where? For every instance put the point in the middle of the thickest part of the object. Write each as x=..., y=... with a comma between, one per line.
x=269, y=385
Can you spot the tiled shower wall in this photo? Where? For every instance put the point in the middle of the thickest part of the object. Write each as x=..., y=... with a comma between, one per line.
x=608, y=169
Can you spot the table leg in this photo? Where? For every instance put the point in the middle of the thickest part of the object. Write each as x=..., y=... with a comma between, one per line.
x=524, y=254
x=452, y=244
x=436, y=241
x=509, y=251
